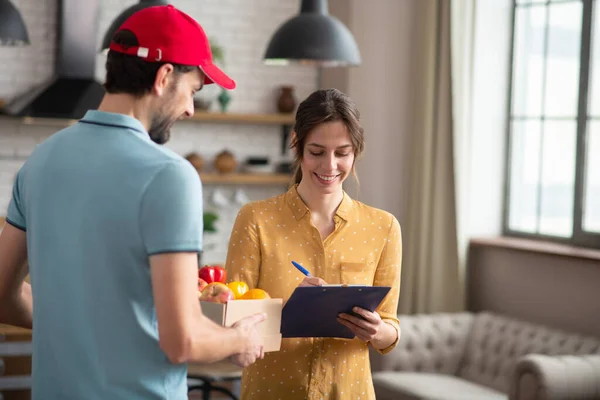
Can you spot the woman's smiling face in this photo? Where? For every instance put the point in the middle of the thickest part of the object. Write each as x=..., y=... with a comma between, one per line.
x=328, y=157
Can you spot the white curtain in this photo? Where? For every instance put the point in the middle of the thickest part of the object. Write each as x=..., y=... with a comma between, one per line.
x=462, y=52
x=480, y=36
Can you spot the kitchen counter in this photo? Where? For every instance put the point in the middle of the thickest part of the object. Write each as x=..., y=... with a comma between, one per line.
x=15, y=350
x=9, y=330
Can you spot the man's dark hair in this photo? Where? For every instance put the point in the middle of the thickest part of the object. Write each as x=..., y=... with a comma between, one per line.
x=130, y=74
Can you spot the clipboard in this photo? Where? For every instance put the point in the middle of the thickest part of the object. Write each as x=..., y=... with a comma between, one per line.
x=312, y=311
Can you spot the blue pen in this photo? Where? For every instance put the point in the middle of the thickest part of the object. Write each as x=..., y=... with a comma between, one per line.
x=301, y=268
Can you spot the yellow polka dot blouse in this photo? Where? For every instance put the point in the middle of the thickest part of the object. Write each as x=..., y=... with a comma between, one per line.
x=364, y=248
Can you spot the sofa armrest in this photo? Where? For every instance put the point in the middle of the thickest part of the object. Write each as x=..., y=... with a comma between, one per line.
x=428, y=343
x=543, y=377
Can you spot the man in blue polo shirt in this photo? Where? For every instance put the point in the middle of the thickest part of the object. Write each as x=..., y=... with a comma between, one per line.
x=108, y=223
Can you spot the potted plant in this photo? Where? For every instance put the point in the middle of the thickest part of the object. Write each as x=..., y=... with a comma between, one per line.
x=204, y=98
x=219, y=57
x=217, y=52
x=209, y=218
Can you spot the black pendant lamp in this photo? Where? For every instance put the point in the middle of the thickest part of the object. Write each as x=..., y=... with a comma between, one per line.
x=313, y=37
x=116, y=24
x=12, y=28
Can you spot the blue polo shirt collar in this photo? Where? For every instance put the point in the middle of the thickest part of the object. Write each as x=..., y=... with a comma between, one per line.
x=115, y=120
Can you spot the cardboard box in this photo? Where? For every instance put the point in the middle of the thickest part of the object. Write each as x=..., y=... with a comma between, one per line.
x=231, y=312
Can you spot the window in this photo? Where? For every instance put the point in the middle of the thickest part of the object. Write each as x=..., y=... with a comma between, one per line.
x=553, y=174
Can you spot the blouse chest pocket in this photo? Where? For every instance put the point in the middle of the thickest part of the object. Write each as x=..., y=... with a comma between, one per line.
x=357, y=273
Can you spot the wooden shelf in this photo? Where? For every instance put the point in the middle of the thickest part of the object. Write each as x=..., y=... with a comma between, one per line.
x=209, y=117
x=202, y=116
x=58, y=122
x=286, y=121
x=245, y=179
x=267, y=119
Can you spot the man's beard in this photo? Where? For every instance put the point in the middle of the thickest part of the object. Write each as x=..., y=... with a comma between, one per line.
x=160, y=125
x=160, y=128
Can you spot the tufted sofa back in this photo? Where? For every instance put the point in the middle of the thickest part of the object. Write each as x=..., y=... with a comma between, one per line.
x=496, y=343
x=428, y=343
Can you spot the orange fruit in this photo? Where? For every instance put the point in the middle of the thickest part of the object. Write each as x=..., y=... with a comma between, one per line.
x=238, y=288
x=255, y=294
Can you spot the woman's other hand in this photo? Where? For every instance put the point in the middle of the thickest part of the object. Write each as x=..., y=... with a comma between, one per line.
x=366, y=326
x=312, y=281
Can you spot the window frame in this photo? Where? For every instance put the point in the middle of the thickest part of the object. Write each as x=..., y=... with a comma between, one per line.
x=579, y=236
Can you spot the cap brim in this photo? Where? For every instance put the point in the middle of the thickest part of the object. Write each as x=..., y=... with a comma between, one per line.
x=213, y=74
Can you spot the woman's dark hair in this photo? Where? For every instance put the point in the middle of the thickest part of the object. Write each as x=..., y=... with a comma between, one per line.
x=323, y=106
x=130, y=74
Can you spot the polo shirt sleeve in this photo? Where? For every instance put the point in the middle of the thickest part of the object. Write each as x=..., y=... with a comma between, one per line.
x=171, y=210
x=16, y=208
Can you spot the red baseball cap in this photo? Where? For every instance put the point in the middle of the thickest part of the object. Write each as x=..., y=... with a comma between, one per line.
x=168, y=35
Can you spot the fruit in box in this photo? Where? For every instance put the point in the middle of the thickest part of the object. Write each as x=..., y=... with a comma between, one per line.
x=216, y=292
x=255, y=294
x=201, y=285
x=212, y=273
x=238, y=288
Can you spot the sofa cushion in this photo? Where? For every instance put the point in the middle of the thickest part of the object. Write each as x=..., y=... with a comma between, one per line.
x=391, y=385
x=432, y=343
x=496, y=343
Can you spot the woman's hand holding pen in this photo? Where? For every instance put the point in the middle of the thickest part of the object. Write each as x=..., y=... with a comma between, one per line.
x=366, y=327
x=308, y=280
x=312, y=281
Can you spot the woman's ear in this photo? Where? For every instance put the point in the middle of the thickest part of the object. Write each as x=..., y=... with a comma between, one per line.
x=293, y=141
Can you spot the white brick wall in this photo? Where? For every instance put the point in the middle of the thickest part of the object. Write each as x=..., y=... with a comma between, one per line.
x=241, y=27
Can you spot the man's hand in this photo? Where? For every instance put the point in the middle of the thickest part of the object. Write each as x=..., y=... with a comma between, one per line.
x=312, y=281
x=246, y=328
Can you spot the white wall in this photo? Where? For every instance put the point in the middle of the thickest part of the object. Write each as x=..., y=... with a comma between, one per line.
x=381, y=88
x=242, y=27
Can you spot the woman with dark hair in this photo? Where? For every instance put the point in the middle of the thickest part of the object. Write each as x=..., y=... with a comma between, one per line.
x=338, y=239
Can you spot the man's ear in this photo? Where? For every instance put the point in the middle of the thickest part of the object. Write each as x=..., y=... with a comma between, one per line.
x=164, y=77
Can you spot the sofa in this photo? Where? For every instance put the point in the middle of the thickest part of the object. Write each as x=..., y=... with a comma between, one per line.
x=466, y=356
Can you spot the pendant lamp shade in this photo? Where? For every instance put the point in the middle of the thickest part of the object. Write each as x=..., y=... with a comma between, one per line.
x=12, y=28
x=313, y=37
x=128, y=12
